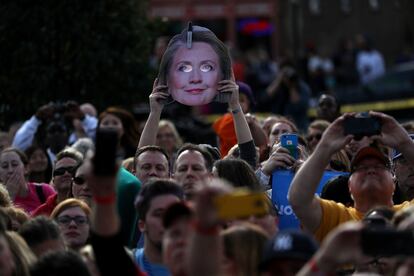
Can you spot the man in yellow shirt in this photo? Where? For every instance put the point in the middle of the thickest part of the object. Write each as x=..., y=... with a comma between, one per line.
x=371, y=182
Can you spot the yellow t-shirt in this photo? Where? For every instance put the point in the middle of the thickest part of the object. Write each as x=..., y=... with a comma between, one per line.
x=334, y=213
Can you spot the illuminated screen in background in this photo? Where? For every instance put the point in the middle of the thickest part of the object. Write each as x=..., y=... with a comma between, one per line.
x=255, y=27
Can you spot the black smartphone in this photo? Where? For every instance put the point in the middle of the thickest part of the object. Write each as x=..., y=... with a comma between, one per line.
x=362, y=126
x=106, y=145
x=387, y=242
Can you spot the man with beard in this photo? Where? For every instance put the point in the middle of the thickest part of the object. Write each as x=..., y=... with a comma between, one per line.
x=152, y=201
x=370, y=184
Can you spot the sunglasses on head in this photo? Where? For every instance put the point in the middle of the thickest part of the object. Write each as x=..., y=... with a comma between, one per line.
x=79, y=180
x=62, y=170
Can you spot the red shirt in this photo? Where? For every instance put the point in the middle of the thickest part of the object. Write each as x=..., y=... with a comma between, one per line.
x=32, y=201
x=47, y=207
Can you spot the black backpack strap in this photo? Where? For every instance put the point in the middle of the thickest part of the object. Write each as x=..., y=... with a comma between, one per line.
x=40, y=193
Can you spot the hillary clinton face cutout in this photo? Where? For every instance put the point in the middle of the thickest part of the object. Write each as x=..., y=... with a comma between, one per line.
x=193, y=64
x=194, y=74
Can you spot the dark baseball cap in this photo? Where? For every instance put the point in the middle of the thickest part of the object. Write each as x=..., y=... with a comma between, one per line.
x=245, y=89
x=288, y=244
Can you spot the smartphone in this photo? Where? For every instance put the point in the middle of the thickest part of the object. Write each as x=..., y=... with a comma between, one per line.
x=387, y=242
x=241, y=205
x=362, y=126
x=290, y=142
x=106, y=145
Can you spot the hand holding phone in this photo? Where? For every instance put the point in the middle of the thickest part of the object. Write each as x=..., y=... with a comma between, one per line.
x=290, y=142
x=362, y=125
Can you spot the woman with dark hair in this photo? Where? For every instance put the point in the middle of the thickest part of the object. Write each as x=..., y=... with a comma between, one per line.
x=124, y=123
x=193, y=64
x=27, y=195
x=39, y=166
x=238, y=172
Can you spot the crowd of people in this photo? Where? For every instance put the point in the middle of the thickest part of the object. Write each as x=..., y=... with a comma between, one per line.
x=157, y=215
x=160, y=210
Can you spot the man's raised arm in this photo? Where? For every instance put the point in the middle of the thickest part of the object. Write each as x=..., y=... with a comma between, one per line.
x=302, y=190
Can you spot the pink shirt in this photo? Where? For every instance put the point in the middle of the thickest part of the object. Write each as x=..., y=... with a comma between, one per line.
x=32, y=201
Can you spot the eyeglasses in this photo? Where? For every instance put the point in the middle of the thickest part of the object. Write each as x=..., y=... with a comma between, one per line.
x=66, y=220
x=374, y=167
x=62, y=170
x=79, y=180
x=316, y=136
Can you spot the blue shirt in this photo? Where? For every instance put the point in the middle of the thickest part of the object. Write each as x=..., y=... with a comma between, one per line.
x=149, y=268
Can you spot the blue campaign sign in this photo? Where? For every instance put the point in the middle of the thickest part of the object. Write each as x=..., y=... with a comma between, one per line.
x=281, y=180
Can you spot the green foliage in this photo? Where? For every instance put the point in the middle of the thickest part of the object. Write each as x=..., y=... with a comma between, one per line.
x=83, y=50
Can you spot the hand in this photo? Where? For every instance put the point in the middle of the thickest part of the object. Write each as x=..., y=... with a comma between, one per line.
x=334, y=139
x=392, y=133
x=158, y=97
x=100, y=186
x=15, y=183
x=230, y=86
x=205, y=210
x=251, y=119
x=280, y=158
x=45, y=112
x=342, y=246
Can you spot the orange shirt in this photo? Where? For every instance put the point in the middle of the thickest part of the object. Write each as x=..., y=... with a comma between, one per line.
x=224, y=128
x=334, y=213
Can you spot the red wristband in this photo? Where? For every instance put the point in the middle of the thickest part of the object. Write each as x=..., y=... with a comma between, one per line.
x=105, y=200
x=206, y=231
x=313, y=265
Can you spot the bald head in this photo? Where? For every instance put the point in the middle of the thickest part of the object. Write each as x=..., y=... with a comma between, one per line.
x=89, y=109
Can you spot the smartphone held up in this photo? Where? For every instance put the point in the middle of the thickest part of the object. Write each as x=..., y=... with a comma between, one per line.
x=104, y=161
x=362, y=125
x=290, y=142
